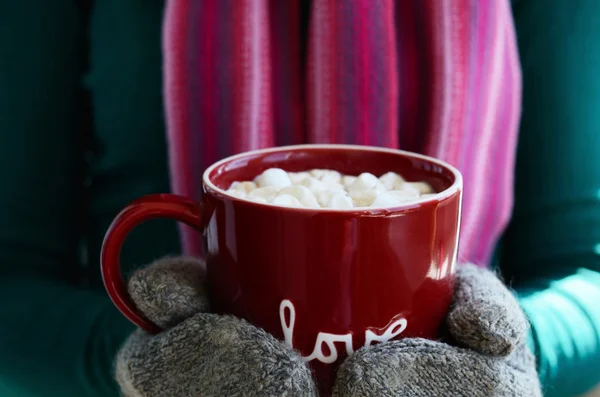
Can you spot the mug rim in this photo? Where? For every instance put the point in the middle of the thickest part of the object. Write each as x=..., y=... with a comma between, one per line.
x=449, y=192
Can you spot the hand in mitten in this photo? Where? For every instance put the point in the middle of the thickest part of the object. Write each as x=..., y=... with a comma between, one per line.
x=493, y=362
x=201, y=354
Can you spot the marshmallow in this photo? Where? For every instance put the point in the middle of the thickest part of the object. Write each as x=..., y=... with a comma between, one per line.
x=331, y=177
x=313, y=184
x=245, y=187
x=297, y=177
x=287, y=201
x=267, y=193
x=339, y=201
x=302, y=194
x=366, y=181
x=317, y=173
x=335, y=187
x=363, y=198
x=323, y=188
x=258, y=199
x=273, y=177
x=348, y=180
x=237, y=193
x=391, y=180
x=393, y=197
x=422, y=187
x=407, y=187
x=324, y=196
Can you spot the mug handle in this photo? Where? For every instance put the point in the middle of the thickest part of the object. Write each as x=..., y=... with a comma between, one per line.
x=145, y=208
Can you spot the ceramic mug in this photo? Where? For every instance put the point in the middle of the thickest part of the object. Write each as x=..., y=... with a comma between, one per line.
x=325, y=281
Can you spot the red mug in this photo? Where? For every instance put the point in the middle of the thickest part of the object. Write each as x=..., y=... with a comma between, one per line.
x=325, y=281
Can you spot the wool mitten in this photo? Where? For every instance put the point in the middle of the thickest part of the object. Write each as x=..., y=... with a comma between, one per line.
x=199, y=353
x=489, y=356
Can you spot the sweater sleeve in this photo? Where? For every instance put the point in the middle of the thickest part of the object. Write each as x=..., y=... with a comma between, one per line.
x=57, y=339
x=57, y=336
x=551, y=250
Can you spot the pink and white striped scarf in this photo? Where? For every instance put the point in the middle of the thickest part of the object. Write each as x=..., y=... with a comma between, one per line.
x=439, y=77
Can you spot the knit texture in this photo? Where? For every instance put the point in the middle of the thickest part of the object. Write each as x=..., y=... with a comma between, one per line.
x=440, y=78
x=203, y=354
x=170, y=290
x=485, y=315
x=211, y=356
x=424, y=368
x=494, y=363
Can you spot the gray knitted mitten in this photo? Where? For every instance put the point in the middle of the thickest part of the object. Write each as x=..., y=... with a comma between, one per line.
x=494, y=361
x=201, y=354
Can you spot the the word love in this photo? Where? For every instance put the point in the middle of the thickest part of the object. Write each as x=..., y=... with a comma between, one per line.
x=287, y=314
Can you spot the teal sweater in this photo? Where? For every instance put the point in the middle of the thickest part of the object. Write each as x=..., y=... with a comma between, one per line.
x=82, y=133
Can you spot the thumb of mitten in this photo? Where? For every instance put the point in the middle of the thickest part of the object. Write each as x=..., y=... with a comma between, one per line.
x=170, y=290
x=486, y=316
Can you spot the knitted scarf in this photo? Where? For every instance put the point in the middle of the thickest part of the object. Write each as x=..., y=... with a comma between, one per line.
x=439, y=77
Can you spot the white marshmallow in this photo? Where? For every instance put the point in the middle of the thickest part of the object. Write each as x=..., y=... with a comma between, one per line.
x=318, y=173
x=331, y=177
x=393, y=197
x=363, y=198
x=335, y=187
x=391, y=180
x=323, y=188
x=273, y=177
x=366, y=181
x=339, y=201
x=267, y=193
x=406, y=187
x=348, y=180
x=324, y=196
x=302, y=194
x=297, y=177
x=245, y=187
x=258, y=199
x=287, y=201
x=422, y=187
x=237, y=193
x=313, y=184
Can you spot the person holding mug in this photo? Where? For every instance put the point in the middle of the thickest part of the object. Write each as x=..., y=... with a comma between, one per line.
x=83, y=136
